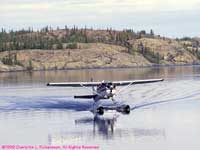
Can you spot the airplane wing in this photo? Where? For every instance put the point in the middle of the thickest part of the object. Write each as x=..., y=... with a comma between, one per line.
x=117, y=83
x=123, y=83
x=74, y=84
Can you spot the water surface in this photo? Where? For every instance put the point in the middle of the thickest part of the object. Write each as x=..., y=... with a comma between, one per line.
x=165, y=115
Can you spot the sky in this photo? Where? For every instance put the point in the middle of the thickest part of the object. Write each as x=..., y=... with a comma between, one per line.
x=172, y=18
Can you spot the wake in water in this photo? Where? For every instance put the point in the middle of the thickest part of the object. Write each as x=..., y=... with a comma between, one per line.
x=68, y=103
x=49, y=102
x=189, y=97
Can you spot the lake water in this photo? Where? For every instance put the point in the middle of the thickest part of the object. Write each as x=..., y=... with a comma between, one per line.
x=166, y=115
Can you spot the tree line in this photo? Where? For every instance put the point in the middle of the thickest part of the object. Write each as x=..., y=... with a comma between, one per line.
x=48, y=38
x=67, y=38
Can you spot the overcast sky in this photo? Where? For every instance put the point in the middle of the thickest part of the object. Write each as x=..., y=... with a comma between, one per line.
x=173, y=18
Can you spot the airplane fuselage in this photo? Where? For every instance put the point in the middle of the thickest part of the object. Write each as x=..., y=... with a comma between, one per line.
x=105, y=91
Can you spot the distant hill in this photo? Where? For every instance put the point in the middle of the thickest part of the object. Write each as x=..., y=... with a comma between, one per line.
x=87, y=48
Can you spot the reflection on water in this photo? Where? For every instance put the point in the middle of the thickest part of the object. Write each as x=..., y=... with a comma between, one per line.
x=105, y=125
x=103, y=128
x=101, y=124
x=165, y=115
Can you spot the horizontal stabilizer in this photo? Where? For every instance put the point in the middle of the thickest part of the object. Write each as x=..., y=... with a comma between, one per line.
x=85, y=96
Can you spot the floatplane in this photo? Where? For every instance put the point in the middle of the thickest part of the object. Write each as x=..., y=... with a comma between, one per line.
x=105, y=90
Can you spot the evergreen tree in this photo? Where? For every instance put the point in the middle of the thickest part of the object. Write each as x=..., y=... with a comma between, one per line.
x=151, y=33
